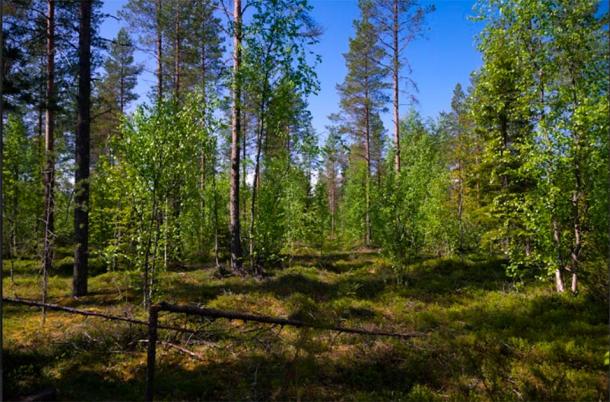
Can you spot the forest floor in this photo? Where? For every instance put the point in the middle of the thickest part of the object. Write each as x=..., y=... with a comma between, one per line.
x=485, y=338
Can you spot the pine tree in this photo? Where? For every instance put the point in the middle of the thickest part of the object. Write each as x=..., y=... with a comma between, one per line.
x=236, y=132
x=399, y=23
x=115, y=91
x=120, y=73
x=463, y=156
x=149, y=19
x=363, y=94
x=83, y=152
x=49, y=168
x=333, y=160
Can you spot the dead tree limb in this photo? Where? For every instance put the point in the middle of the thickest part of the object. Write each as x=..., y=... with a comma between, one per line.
x=88, y=313
x=232, y=315
x=153, y=326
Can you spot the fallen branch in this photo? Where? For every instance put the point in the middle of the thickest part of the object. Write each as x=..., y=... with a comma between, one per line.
x=231, y=315
x=210, y=313
x=89, y=313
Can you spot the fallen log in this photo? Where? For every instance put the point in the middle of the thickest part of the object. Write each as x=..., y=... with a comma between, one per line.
x=232, y=315
x=89, y=313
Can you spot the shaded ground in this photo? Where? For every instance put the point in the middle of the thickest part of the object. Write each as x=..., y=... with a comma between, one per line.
x=487, y=340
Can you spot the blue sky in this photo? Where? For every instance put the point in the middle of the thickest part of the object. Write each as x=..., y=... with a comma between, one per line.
x=445, y=55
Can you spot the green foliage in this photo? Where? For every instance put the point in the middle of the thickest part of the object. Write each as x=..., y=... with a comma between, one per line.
x=362, y=98
x=353, y=209
x=516, y=171
x=22, y=189
x=149, y=176
x=278, y=74
x=541, y=101
x=416, y=215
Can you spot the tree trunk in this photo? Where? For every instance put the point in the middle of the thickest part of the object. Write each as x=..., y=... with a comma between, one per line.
x=558, y=272
x=256, y=180
x=2, y=193
x=255, y=185
x=332, y=199
x=579, y=202
x=367, y=149
x=559, y=280
x=159, y=53
x=81, y=179
x=49, y=170
x=234, y=224
x=574, y=286
x=460, y=206
x=202, y=161
x=202, y=180
x=148, y=245
x=177, y=54
x=244, y=171
x=155, y=253
x=122, y=91
x=215, y=211
x=395, y=79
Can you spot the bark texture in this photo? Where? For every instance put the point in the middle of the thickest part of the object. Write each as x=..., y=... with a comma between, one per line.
x=49, y=169
x=83, y=139
x=234, y=223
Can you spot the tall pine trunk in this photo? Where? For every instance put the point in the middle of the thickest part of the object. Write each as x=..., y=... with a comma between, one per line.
x=234, y=224
x=159, y=53
x=177, y=51
x=332, y=194
x=83, y=134
x=244, y=168
x=460, y=205
x=396, y=90
x=367, y=149
x=1, y=190
x=202, y=159
x=49, y=169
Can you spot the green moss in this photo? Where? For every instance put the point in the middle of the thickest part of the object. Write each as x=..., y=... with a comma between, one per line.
x=485, y=340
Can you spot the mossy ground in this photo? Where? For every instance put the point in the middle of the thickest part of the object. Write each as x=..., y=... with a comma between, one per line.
x=486, y=339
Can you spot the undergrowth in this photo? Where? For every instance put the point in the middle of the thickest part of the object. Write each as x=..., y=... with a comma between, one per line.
x=486, y=337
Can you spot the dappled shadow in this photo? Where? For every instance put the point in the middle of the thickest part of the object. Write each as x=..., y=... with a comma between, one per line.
x=79, y=359
x=544, y=332
x=23, y=371
x=313, y=259
x=282, y=286
x=337, y=262
x=484, y=340
x=65, y=267
x=358, y=312
x=104, y=298
x=344, y=266
x=78, y=367
x=289, y=377
x=445, y=279
x=542, y=318
x=288, y=284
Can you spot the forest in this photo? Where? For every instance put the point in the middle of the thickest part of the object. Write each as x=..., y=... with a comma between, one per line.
x=466, y=252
